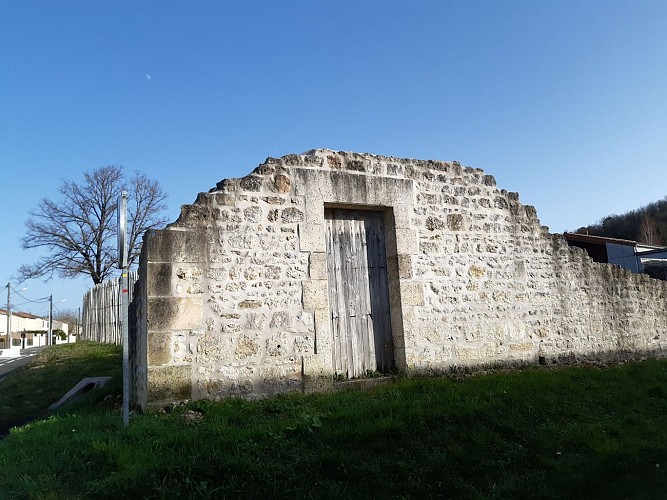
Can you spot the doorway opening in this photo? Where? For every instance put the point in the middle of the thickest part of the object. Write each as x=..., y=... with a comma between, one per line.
x=358, y=290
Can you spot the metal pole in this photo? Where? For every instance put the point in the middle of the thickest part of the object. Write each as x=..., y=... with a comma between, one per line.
x=48, y=338
x=9, y=318
x=78, y=326
x=123, y=264
x=126, y=350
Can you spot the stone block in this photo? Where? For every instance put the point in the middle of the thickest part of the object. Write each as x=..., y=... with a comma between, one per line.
x=174, y=313
x=182, y=350
x=466, y=354
x=159, y=348
x=275, y=379
x=273, y=200
x=317, y=373
x=175, y=245
x=159, y=278
x=211, y=388
x=455, y=222
x=250, y=304
x=406, y=325
x=282, y=320
x=407, y=242
x=214, y=349
x=322, y=331
x=225, y=199
x=312, y=238
x=314, y=208
x=522, y=346
x=318, y=266
x=315, y=295
x=397, y=327
x=403, y=215
x=476, y=271
x=253, y=214
x=247, y=346
x=251, y=183
x=405, y=266
x=392, y=268
x=278, y=344
x=304, y=344
x=243, y=387
x=291, y=214
x=310, y=183
x=434, y=224
x=391, y=247
x=169, y=383
x=255, y=321
x=390, y=192
x=282, y=183
x=188, y=273
x=352, y=189
x=412, y=293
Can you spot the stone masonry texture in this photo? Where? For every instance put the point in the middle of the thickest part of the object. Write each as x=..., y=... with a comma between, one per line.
x=234, y=295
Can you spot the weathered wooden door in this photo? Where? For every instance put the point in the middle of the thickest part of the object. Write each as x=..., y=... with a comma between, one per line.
x=358, y=292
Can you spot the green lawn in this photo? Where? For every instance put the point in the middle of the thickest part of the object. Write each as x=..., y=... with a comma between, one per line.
x=573, y=432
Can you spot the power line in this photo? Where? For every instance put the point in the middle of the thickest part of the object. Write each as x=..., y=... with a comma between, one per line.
x=41, y=309
x=17, y=292
x=57, y=309
x=23, y=303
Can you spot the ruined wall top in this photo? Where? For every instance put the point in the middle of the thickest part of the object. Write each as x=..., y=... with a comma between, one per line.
x=275, y=175
x=360, y=163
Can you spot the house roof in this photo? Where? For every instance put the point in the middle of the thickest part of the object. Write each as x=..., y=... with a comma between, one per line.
x=653, y=251
x=20, y=314
x=600, y=240
x=589, y=238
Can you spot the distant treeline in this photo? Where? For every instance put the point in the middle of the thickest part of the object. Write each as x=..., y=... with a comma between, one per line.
x=646, y=225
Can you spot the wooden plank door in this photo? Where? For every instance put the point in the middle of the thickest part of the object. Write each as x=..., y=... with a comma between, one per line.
x=358, y=292
x=379, y=292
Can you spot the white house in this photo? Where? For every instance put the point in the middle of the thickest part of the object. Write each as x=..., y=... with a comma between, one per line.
x=28, y=330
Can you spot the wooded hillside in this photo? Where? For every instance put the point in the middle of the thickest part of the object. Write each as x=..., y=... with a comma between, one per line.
x=647, y=224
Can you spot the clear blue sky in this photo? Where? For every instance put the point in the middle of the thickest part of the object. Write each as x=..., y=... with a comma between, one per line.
x=562, y=101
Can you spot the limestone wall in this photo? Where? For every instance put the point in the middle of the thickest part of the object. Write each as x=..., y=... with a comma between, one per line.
x=236, y=299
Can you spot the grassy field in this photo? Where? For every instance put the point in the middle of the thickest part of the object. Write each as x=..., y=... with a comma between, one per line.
x=573, y=432
x=32, y=388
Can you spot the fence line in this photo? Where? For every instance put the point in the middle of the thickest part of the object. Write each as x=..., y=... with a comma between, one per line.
x=101, y=313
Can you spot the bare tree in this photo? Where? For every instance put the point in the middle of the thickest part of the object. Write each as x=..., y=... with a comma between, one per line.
x=69, y=316
x=79, y=230
x=66, y=315
x=648, y=230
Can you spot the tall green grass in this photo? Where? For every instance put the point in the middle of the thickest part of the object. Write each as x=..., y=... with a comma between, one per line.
x=574, y=432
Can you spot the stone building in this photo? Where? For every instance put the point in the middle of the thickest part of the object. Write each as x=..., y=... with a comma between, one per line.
x=332, y=265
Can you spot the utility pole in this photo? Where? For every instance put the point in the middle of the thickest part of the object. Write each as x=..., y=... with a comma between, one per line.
x=78, y=326
x=8, y=343
x=123, y=265
x=48, y=339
